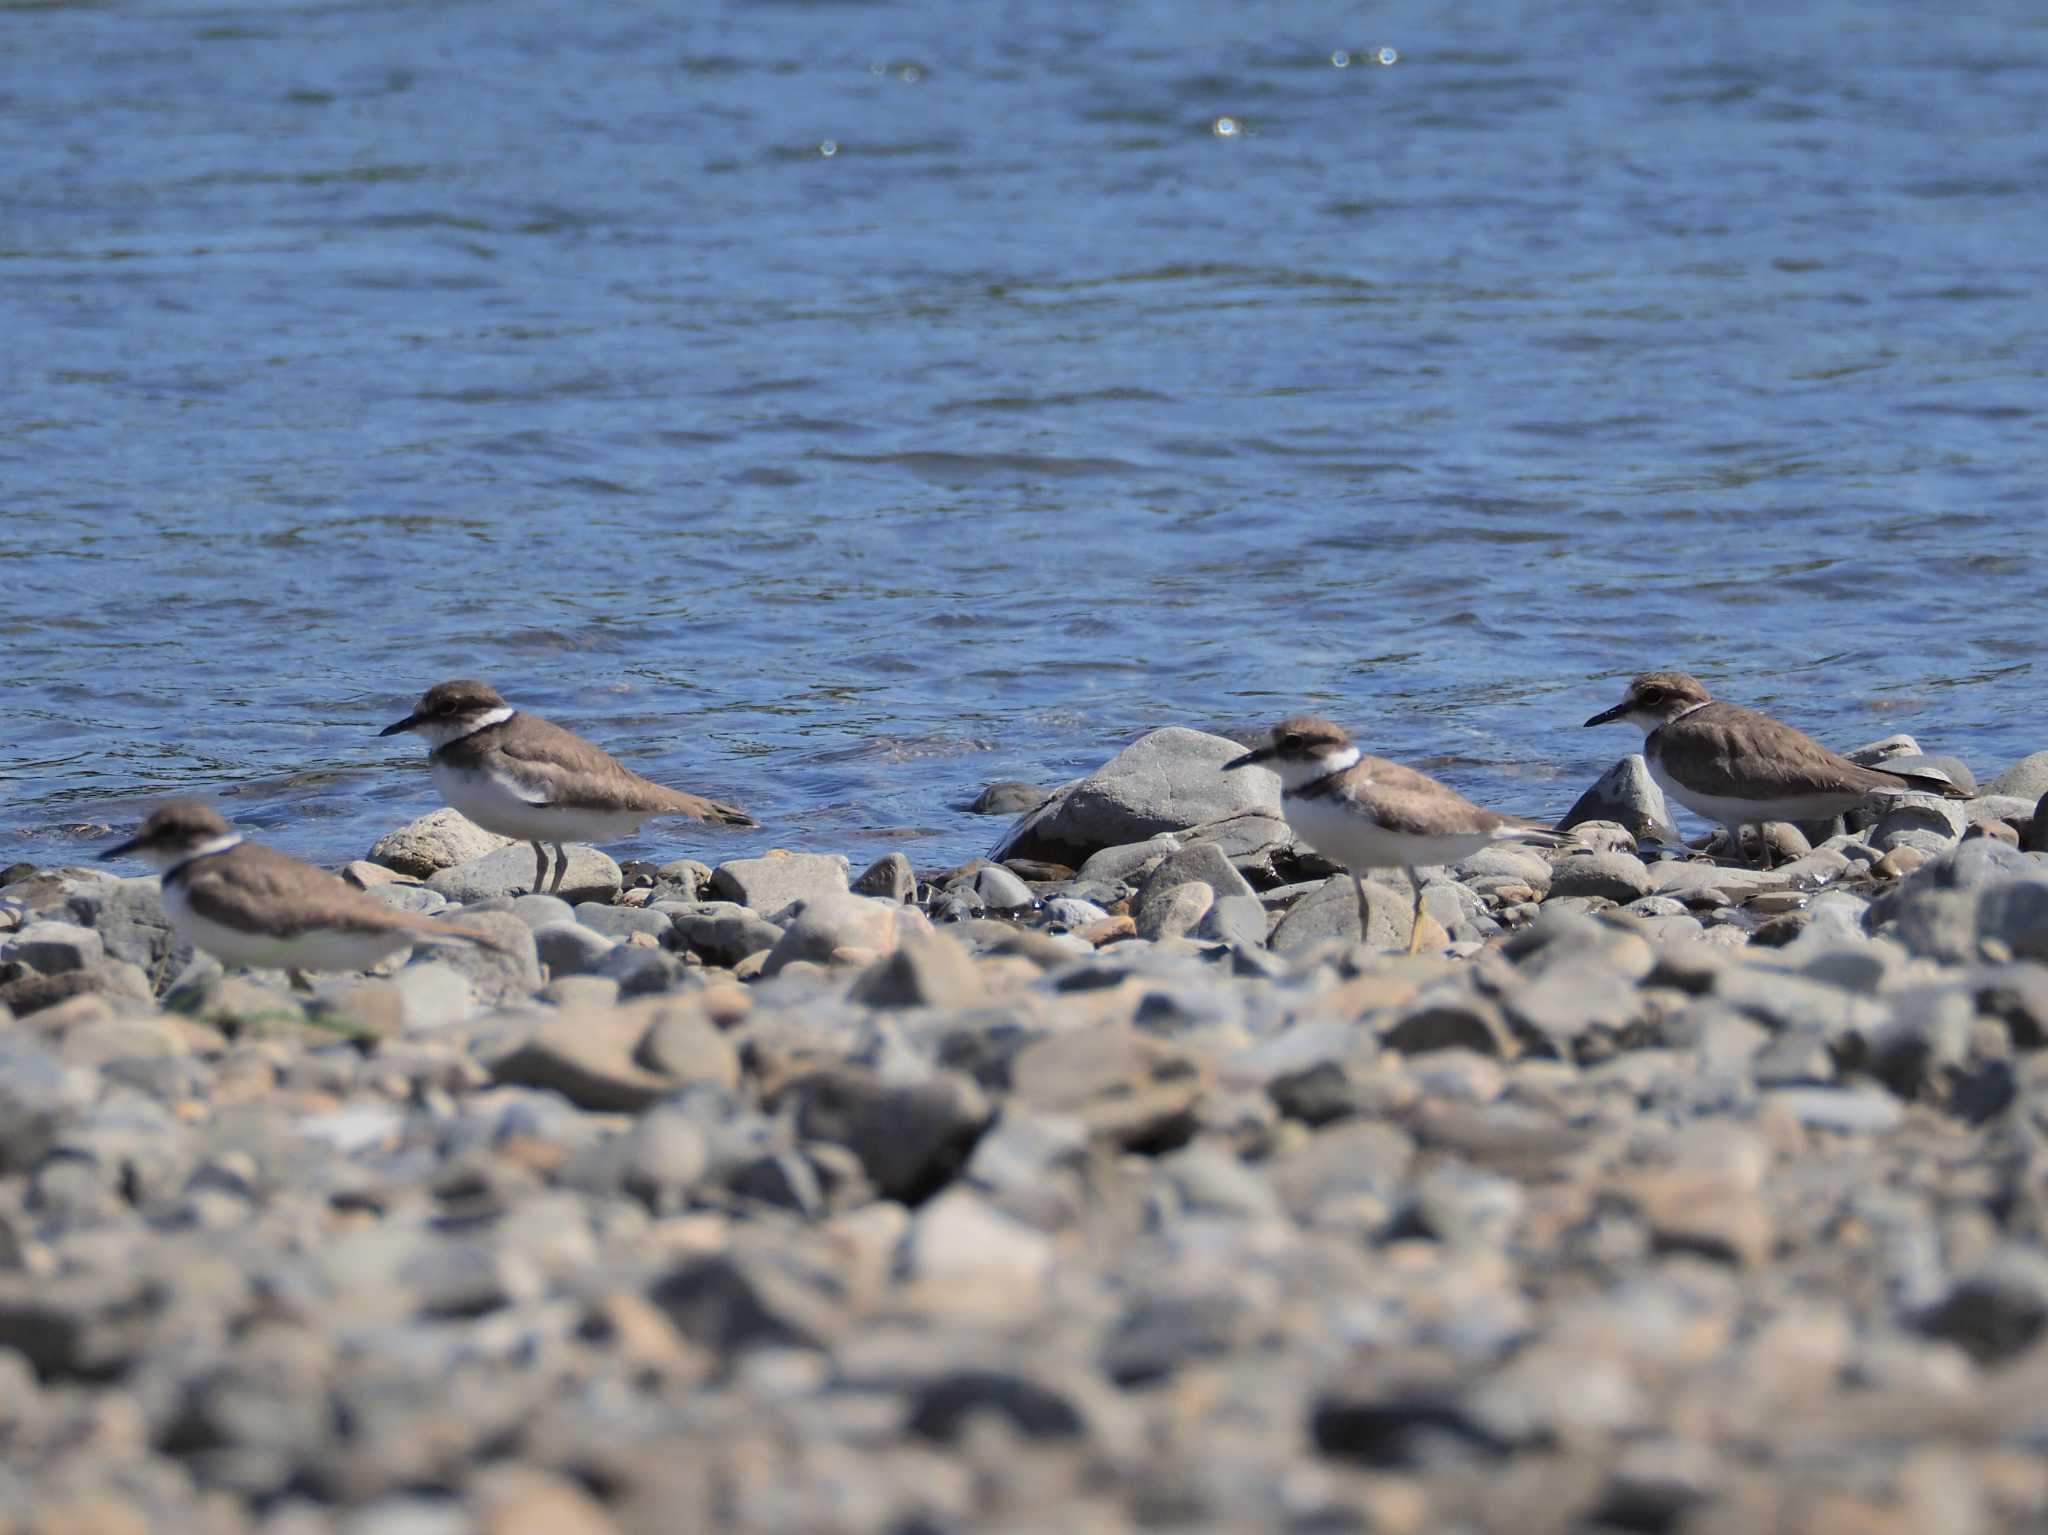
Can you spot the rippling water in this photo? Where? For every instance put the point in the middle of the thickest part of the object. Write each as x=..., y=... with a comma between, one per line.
x=1117, y=366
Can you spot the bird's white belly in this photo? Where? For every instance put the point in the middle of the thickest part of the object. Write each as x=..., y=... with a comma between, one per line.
x=313, y=950
x=1750, y=812
x=497, y=803
x=1356, y=842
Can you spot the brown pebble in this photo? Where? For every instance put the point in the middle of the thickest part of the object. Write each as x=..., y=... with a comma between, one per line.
x=1109, y=930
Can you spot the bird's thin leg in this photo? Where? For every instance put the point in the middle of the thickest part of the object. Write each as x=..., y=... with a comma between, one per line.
x=1415, y=924
x=540, y=868
x=1763, y=846
x=1364, y=911
x=561, y=868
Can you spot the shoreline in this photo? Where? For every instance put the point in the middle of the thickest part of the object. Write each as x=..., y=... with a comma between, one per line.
x=1662, y=1193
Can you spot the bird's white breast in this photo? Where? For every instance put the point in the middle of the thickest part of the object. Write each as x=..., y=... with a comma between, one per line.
x=1337, y=828
x=1729, y=811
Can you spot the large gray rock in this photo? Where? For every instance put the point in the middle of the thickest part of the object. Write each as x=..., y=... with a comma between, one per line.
x=129, y=916
x=2027, y=778
x=1627, y=795
x=832, y=923
x=911, y=1139
x=39, y=1097
x=927, y=970
x=506, y=971
x=1617, y=877
x=51, y=948
x=1332, y=912
x=1167, y=780
x=592, y=876
x=767, y=885
x=723, y=932
x=890, y=877
x=1942, y=820
x=1201, y=863
x=438, y=840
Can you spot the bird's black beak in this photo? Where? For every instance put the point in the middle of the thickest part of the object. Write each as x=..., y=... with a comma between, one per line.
x=410, y=721
x=1605, y=715
x=1250, y=759
x=121, y=850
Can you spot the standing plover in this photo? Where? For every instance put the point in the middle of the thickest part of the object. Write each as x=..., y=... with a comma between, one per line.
x=246, y=904
x=1741, y=768
x=517, y=775
x=1369, y=813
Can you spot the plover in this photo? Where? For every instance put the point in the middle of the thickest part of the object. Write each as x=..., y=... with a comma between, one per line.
x=1741, y=768
x=1369, y=813
x=246, y=904
x=518, y=775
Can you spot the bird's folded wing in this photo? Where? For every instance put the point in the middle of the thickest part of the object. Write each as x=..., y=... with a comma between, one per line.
x=1751, y=756
x=575, y=773
x=269, y=891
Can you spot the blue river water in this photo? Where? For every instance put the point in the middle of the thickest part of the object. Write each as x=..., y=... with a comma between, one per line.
x=838, y=406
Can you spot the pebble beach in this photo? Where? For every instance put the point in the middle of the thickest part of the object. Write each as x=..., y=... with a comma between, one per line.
x=1112, y=1182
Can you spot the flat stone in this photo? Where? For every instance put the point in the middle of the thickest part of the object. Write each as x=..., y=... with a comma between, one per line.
x=1167, y=780
x=439, y=840
x=592, y=876
x=1627, y=795
x=767, y=885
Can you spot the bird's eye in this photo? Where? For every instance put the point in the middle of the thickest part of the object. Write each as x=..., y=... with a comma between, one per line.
x=1289, y=743
x=1653, y=695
